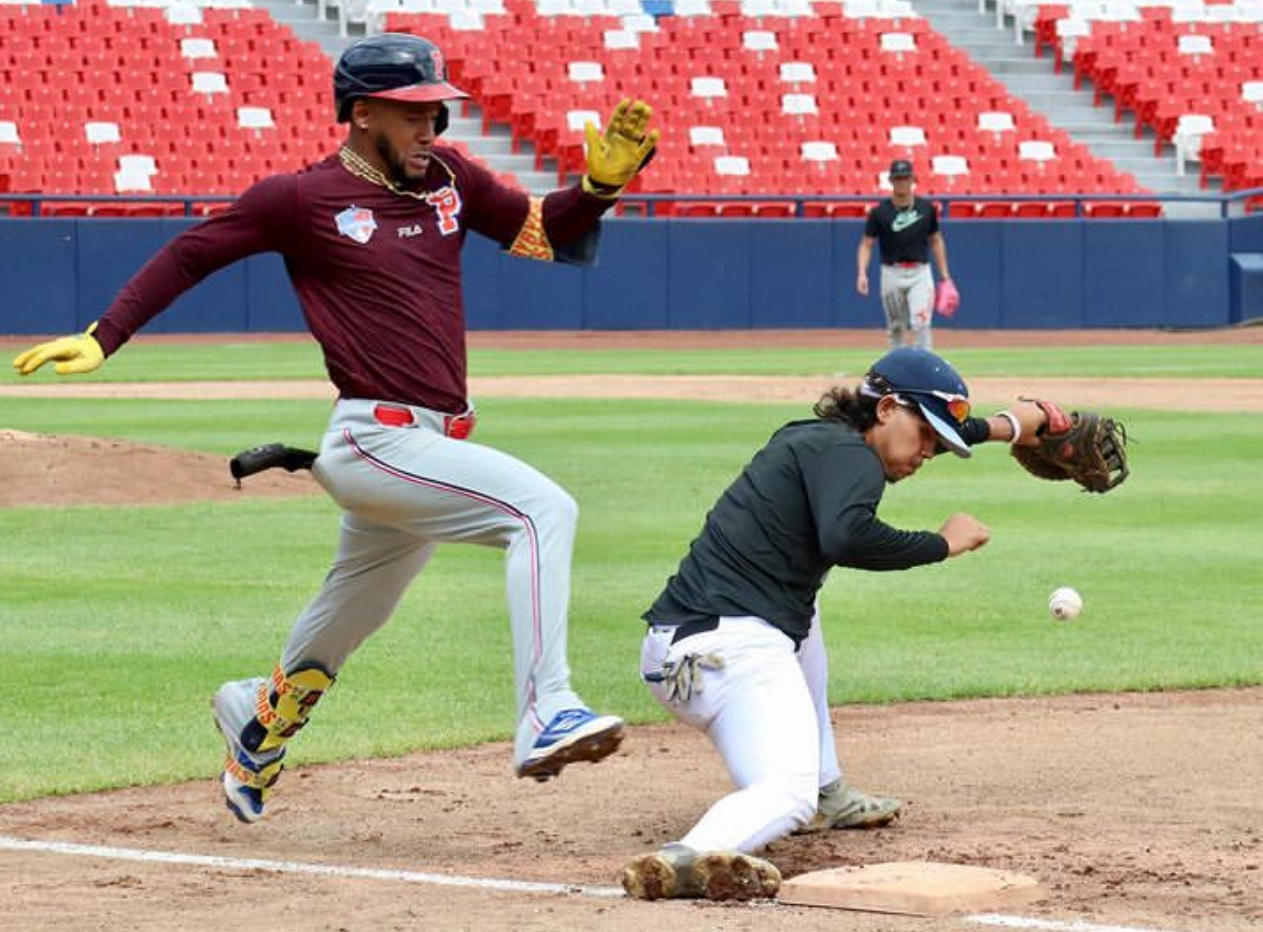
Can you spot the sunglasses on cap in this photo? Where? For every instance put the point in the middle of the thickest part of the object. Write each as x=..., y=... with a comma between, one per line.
x=958, y=406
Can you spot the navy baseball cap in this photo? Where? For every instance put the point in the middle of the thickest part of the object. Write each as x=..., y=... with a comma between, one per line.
x=900, y=168
x=919, y=376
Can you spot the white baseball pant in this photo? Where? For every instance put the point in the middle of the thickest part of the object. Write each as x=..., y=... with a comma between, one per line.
x=767, y=712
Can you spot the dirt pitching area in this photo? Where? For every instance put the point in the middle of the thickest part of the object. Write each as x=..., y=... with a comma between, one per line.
x=1138, y=812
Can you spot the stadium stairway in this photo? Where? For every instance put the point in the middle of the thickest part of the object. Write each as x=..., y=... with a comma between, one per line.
x=495, y=146
x=1054, y=95
x=306, y=21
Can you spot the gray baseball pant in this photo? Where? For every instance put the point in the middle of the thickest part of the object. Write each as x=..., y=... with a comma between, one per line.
x=405, y=490
x=907, y=296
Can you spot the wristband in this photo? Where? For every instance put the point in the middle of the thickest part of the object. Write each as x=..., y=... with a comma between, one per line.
x=1013, y=422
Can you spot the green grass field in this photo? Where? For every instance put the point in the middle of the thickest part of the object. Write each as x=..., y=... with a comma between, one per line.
x=160, y=362
x=118, y=624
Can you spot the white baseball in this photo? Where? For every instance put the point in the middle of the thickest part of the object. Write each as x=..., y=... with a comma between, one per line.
x=1065, y=604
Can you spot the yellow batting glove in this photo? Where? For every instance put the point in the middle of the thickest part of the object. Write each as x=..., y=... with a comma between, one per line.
x=77, y=354
x=615, y=156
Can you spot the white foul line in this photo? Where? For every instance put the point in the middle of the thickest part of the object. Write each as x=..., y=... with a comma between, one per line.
x=8, y=842
x=297, y=867
x=1049, y=925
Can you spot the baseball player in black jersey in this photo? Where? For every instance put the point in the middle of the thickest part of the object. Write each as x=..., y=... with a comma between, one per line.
x=734, y=646
x=372, y=239
x=906, y=229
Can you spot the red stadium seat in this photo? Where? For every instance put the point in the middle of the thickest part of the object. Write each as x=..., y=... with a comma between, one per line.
x=770, y=209
x=697, y=209
x=1001, y=209
x=1145, y=70
x=65, y=209
x=1032, y=209
x=1097, y=209
x=139, y=80
x=849, y=209
x=964, y=210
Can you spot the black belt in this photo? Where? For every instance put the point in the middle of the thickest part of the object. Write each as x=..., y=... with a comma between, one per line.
x=690, y=628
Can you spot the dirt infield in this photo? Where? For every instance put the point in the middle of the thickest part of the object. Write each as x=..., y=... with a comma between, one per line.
x=58, y=470
x=1140, y=812
x=1111, y=393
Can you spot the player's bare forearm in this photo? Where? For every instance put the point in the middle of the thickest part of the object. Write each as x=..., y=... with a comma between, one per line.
x=938, y=247
x=862, y=257
x=864, y=254
x=1019, y=423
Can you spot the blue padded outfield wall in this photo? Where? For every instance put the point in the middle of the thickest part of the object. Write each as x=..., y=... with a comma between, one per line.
x=57, y=275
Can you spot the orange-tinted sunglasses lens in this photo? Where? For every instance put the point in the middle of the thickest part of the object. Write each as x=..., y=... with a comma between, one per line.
x=959, y=408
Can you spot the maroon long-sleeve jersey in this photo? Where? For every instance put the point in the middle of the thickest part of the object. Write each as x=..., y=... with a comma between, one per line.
x=377, y=272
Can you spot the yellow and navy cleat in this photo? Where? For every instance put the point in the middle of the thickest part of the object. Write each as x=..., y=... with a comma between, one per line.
x=248, y=775
x=246, y=788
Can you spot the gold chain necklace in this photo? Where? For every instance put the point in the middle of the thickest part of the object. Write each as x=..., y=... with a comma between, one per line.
x=358, y=166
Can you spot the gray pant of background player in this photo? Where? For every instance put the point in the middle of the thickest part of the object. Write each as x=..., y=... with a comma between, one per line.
x=907, y=296
x=405, y=490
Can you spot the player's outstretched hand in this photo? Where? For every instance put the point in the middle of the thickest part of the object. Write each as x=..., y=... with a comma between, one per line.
x=615, y=156
x=77, y=354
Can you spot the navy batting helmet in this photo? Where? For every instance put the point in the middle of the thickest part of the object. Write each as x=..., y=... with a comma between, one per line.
x=929, y=381
x=396, y=66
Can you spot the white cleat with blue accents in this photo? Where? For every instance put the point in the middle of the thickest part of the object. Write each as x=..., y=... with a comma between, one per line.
x=573, y=735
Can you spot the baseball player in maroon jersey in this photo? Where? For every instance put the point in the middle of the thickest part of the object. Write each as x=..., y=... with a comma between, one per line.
x=371, y=238
x=734, y=646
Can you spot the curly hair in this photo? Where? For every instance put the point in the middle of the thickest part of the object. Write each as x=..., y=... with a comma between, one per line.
x=849, y=406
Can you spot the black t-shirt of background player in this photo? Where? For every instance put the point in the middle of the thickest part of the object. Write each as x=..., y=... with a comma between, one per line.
x=903, y=235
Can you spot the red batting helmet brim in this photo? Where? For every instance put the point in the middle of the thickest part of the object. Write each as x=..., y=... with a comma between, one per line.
x=421, y=93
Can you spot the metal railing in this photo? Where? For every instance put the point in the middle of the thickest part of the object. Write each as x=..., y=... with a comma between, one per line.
x=1237, y=203
x=103, y=205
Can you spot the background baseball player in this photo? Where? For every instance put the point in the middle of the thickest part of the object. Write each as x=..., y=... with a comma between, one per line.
x=906, y=229
x=734, y=645
x=371, y=238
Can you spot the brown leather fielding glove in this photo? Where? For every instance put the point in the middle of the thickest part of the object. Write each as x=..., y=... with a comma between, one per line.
x=1084, y=446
